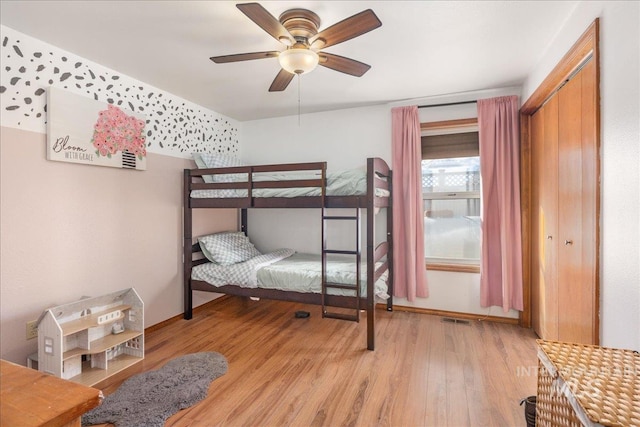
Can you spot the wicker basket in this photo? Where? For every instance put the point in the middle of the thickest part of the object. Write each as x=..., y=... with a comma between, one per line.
x=587, y=385
x=529, y=410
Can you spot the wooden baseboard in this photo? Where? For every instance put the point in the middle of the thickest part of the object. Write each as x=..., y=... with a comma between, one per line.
x=442, y=313
x=180, y=316
x=454, y=314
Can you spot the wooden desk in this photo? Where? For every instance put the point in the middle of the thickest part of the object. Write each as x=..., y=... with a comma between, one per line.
x=32, y=398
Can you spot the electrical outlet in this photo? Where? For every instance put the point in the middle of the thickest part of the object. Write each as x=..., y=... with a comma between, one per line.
x=32, y=329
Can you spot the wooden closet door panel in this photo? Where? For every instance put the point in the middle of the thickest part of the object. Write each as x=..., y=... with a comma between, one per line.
x=590, y=202
x=574, y=290
x=549, y=205
x=538, y=314
x=544, y=149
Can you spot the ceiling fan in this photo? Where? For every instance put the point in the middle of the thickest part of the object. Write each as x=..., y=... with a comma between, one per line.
x=298, y=30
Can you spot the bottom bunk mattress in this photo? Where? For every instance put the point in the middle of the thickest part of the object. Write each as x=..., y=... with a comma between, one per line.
x=286, y=270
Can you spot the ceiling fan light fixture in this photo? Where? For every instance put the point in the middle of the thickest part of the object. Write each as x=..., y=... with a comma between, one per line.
x=298, y=61
x=298, y=30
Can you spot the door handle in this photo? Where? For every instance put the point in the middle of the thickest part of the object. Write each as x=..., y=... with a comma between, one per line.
x=568, y=242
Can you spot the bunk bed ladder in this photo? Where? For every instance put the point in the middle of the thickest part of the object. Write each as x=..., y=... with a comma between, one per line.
x=353, y=288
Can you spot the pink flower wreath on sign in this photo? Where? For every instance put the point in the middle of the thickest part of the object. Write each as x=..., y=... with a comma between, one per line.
x=115, y=131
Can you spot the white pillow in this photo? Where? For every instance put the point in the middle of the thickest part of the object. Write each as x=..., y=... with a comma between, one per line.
x=212, y=160
x=229, y=247
x=197, y=157
x=215, y=160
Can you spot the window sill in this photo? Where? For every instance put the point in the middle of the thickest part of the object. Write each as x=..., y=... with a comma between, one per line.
x=459, y=268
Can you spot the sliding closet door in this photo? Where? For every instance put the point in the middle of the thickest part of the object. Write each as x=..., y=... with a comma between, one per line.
x=560, y=123
x=550, y=206
x=577, y=209
x=538, y=315
x=564, y=198
x=544, y=219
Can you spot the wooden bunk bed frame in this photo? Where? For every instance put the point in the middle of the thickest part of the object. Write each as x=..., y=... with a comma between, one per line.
x=379, y=176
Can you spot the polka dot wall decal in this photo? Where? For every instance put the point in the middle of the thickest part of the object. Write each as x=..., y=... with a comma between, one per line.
x=174, y=127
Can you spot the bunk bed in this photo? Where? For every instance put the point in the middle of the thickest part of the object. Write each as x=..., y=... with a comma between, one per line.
x=300, y=185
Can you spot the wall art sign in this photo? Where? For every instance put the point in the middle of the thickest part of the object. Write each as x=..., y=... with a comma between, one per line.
x=82, y=130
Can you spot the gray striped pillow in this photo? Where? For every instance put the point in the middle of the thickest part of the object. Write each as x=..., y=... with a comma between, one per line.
x=227, y=248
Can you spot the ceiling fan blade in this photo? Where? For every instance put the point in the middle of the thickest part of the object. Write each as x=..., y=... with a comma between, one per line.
x=346, y=29
x=281, y=81
x=342, y=64
x=244, y=56
x=266, y=21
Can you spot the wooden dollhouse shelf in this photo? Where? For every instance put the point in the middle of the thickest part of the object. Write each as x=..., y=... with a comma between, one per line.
x=102, y=344
x=108, y=341
x=92, y=320
x=91, y=376
x=73, y=353
x=85, y=350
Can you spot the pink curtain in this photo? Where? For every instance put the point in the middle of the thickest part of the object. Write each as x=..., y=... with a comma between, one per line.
x=408, y=227
x=501, y=269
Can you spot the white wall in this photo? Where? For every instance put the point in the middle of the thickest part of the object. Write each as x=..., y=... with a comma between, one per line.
x=348, y=136
x=620, y=158
x=345, y=139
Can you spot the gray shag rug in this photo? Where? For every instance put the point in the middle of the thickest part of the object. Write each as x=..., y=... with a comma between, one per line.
x=149, y=398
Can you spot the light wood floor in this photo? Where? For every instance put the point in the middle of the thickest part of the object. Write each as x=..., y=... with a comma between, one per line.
x=285, y=371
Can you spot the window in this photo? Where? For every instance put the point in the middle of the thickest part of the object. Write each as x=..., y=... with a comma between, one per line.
x=451, y=197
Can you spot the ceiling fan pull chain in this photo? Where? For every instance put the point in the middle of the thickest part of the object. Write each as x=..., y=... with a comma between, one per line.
x=299, y=77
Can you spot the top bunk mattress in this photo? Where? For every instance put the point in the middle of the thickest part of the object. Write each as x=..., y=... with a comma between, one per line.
x=352, y=182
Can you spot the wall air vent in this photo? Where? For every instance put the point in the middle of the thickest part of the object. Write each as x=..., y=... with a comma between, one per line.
x=128, y=160
x=458, y=321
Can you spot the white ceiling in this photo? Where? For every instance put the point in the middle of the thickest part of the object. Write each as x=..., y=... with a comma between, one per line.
x=423, y=49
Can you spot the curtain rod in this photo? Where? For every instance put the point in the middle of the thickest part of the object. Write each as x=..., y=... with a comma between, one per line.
x=447, y=104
